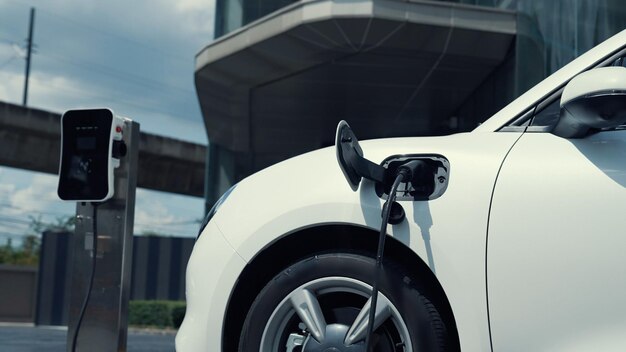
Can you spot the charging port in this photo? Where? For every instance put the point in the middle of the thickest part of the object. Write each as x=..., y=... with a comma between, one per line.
x=429, y=182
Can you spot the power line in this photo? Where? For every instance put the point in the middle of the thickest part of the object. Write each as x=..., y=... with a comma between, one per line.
x=18, y=220
x=7, y=62
x=127, y=77
x=172, y=223
x=13, y=226
x=83, y=25
x=56, y=202
x=11, y=206
x=24, y=226
x=9, y=234
x=66, y=20
x=14, y=221
x=165, y=227
x=82, y=93
x=110, y=98
x=92, y=66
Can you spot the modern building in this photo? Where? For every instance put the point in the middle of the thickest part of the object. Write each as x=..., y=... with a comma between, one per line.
x=280, y=74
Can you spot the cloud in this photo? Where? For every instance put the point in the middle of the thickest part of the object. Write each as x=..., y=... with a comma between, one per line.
x=39, y=197
x=194, y=5
x=11, y=87
x=58, y=93
x=49, y=91
x=200, y=15
x=6, y=189
x=151, y=20
x=11, y=82
x=35, y=196
x=136, y=57
x=27, y=196
x=152, y=215
x=55, y=92
x=167, y=125
x=9, y=50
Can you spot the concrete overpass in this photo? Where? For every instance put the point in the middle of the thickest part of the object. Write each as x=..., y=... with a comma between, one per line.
x=30, y=139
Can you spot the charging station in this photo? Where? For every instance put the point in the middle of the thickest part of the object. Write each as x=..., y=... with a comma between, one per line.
x=98, y=170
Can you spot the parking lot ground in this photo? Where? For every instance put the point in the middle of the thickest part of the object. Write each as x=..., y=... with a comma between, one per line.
x=25, y=338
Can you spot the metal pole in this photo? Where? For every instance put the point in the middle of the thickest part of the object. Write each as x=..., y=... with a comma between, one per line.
x=28, y=54
x=105, y=324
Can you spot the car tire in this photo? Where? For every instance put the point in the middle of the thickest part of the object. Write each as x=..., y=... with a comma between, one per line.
x=329, y=291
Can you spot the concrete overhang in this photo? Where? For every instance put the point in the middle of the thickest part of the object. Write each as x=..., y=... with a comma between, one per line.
x=30, y=139
x=278, y=86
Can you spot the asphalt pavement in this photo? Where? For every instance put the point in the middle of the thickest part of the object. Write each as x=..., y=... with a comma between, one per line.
x=52, y=339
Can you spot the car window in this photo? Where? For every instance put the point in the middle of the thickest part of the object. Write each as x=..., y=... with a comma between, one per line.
x=619, y=62
x=549, y=115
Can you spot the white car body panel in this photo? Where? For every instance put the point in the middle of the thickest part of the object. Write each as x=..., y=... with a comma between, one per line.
x=313, y=191
x=527, y=271
x=211, y=268
x=557, y=277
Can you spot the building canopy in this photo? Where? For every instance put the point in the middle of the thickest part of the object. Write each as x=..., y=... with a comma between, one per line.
x=278, y=86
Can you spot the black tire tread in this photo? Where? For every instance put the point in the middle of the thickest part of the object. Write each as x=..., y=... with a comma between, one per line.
x=437, y=324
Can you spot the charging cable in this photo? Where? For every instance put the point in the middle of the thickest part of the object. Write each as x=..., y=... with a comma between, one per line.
x=94, y=223
x=405, y=173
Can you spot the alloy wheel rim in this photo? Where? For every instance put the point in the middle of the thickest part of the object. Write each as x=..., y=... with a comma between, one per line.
x=310, y=306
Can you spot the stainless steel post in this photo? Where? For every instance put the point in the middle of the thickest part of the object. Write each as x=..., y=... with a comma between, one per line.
x=104, y=325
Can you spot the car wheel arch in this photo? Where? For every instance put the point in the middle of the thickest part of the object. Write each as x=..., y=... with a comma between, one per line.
x=312, y=240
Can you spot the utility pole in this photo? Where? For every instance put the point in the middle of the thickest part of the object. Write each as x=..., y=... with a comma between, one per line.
x=28, y=53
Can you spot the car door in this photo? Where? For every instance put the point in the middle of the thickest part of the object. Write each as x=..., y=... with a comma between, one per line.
x=556, y=253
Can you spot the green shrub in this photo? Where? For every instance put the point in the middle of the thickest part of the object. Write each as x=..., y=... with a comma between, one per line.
x=161, y=314
x=27, y=254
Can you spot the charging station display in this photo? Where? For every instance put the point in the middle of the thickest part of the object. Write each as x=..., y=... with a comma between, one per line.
x=86, y=172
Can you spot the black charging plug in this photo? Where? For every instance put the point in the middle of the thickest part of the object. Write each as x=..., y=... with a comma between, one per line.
x=412, y=170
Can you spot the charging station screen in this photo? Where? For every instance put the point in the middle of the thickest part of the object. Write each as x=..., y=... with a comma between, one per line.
x=84, y=163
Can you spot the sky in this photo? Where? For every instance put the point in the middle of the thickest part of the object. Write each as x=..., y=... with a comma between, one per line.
x=135, y=57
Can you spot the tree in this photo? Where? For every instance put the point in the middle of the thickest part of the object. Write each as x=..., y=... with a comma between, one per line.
x=6, y=253
x=28, y=252
x=61, y=224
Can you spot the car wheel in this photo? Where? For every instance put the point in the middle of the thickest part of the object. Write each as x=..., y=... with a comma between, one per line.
x=322, y=303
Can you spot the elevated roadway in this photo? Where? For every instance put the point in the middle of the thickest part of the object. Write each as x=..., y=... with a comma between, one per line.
x=30, y=139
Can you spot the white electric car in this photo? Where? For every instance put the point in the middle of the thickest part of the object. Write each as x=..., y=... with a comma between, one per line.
x=512, y=238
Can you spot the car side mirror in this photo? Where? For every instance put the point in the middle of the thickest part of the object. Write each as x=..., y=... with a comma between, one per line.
x=594, y=99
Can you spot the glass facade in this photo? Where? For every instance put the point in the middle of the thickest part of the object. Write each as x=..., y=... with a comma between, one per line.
x=565, y=29
x=550, y=34
x=233, y=14
x=559, y=30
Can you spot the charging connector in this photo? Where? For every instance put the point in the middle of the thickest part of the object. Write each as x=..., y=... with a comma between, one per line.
x=405, y=173
x=419, y=172
x=411, y=169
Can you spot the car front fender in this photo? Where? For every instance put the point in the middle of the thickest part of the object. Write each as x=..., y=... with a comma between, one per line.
x=448, y=233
